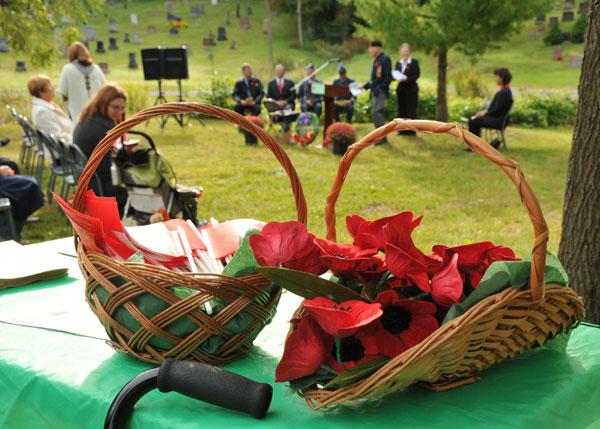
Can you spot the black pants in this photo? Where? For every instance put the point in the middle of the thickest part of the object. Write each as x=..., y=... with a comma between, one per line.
x=407, y=107
x=485, y=121
x=348, y=110
x=254, y=110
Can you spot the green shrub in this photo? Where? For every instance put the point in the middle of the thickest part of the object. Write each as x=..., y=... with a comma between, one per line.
x=554, y=35
x=468, y=83
x=578, y=30
x=219, y=93
x=542, y=110
x=463, y=108
x=427, y=102
x=137, y=97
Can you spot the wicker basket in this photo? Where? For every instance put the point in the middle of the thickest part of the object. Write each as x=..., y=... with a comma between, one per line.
x=498, y=327
x=239, y=293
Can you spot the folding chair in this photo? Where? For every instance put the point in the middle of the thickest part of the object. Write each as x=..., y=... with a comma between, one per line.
x=499, y=132
x=34, y=163
x=26, y=146
x=59, y=165
x=6, y=208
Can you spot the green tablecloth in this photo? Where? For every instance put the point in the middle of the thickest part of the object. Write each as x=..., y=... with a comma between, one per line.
x=52, y=379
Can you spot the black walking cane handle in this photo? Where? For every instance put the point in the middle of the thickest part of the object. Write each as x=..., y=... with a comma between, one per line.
x=216, y=386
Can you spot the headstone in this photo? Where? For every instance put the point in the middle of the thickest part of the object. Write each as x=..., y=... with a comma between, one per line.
x=4, y=45
x=126, y=38
x=66, y=20
x=20, y=66
x=151, y=29
x=155, y=13
x=174, y=31
x=568, y=16
x=237, y=10
x=112, y=44
x=187, y=48
x=194, y=12
x=248, y=9
x=228, y=21
x=569, y=4
x=170, y=4
x=214, y=2
x=233, y=45
x=244, y=23
x=566, y=36
x=553, y=20
x=136, y=38
x=112, y=27
x=265, y=26
x=92, y=13
x=556, y=52
x=100, y=47
x=89, y=32
x=540, y=19
x=200, y=8
x=134, y=19
x=575, y=62
x=104, y=68
x=206, y=43
x=222, y=36
x=558, y=6
x=186, y=3
x=583, y=7
x=532, y=35
x=541, y=28
x=57, y=34
x=170, y=16
x=132, y=62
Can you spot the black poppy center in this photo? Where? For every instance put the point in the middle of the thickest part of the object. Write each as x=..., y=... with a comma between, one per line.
x=351, y=350
x=396, y=319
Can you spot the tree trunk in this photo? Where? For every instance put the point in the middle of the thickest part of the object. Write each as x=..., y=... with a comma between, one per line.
x=579, y=249
x=441, y=106
x=299, y=12
x=268, y=7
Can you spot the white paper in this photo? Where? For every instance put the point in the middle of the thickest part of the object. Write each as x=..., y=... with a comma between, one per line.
x=354, y=89
x=398, y=75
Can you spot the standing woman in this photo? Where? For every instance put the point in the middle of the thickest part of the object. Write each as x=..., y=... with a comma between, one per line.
x=79, y=80
x=104, y=110
x=407, y=92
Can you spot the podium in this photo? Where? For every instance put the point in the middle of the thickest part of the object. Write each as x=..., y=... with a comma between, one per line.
x=329, y=92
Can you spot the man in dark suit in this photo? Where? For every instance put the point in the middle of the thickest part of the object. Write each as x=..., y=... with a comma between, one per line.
x=381, y=77
x=343, y=104
x=407, y=91
x=282, y=90
x=310, y=102
x=498, y=108
x=248, y=93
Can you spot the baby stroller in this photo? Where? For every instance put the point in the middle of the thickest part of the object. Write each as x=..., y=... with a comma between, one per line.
x=151, y=182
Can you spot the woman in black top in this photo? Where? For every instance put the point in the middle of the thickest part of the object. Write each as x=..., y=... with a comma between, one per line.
x=407, y=91
x=102, y=112
x=498, y=108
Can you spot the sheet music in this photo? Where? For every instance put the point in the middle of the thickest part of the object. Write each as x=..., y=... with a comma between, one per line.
x=354, y=89
x=398, y=75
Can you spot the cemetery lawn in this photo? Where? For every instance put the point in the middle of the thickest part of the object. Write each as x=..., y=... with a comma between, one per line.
x=463, y=197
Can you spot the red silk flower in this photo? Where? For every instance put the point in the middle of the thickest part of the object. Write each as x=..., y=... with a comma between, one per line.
x=287, y=244
x=342, y=320
x=406, y=268
x=343, y=259
x=305, y=350
x=371, y=234
x=447, y=283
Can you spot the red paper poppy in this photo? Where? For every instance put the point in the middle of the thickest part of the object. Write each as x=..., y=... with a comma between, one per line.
x=305, y=350
x=371, y=234
x=376, y=64
x=405, y=267
x=447, y=283
x=341, y=320
x=287, y=245
x=372, y=269
x=354, y=351
x=343, y=259
x=297, y=139
x=404, y=324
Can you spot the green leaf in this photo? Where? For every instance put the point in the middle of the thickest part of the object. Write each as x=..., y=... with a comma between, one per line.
x=357, y=373
x=309, y=286
x=320, y=377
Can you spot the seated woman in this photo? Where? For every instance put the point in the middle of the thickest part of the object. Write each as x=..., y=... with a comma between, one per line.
x=102, y=112
x=499, y=107
x=46, y=115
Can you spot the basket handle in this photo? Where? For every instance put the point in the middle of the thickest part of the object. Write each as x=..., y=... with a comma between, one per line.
x=178, y=108
x=510, y=167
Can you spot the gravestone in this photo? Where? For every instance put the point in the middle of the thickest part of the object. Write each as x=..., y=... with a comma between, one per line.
x=134, y=19
x=132, y=61
x=104, y=68
x=532, y=35
x=558, y=6
x=66, y=20
x=265, y=26
x=575, y=62
x=248, y=9
x=553, y=20
x=237, y=10
x=170, y=16
x=214, y=2
x=57, y=34
x=233, y=45
x=100, y=47
x=566, y=36
x=541, y=28
x=174, y=31
x=583, y=7
x=112, y=27
x=200, y=8
x=540, y=19
x=567, y=16
x=194, y=13
x=188, y=49
x=20, y=67
x=569, y=4
x=556, y=52
x=151, y=29
x=92, y=13
x=136, y=38
x=221, y=36
x=206, y=43
x=112, y=44
x=245, y=24
x=4, y=45
x=89, y=32
x=155, y=13
x=126, y=38
x=228, y=20
x=186, y=3
x=170, y=4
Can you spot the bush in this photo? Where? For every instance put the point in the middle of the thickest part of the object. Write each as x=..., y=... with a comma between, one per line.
x=356, y=45
x=468, y=83
x=554, y=35
x=427, y=102
x=542, y=110
x=137, y=97
x=463, y=108
x=578, y=30
x=219, y=93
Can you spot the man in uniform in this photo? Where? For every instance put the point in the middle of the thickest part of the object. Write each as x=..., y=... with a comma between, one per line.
x=310, y=102
x=381, y=77
x=343, y=104
x=248, y=93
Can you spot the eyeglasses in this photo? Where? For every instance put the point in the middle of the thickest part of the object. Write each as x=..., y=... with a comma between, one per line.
x=117, y=108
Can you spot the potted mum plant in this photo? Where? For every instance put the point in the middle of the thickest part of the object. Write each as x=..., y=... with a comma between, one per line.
x=340, y=135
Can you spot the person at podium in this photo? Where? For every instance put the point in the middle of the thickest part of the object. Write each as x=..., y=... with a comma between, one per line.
x=248, y=93
x=310, y=102
x=343, y=104
x=282, y=90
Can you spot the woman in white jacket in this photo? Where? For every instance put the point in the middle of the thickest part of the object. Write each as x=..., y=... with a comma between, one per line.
x=79, y=80
x=45, y=114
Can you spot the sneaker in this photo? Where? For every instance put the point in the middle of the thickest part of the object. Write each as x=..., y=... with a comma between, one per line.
x=495, y=143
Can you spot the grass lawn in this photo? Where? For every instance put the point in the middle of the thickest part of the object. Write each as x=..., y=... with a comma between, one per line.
x=463, y=197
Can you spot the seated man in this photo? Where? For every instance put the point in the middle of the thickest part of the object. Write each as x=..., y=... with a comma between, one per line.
x=499, y=107
x=248, y=93
x=343, y=104
x=308, y=101
x=282, y=90
x=25, y=197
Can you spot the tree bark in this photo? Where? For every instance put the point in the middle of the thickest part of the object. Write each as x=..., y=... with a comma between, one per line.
x=268, y=7
x=441, y=106
x=579, y=249
x=299, y=12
